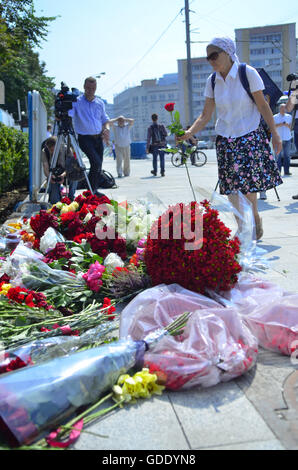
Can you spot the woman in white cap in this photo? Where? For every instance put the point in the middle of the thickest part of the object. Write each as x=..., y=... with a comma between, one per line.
x=245, y=161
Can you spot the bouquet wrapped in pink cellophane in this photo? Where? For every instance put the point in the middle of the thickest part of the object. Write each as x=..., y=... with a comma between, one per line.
x=270, y=312
x=215, y=346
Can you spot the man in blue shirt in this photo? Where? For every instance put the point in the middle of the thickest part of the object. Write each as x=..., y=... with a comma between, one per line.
x=90, y=122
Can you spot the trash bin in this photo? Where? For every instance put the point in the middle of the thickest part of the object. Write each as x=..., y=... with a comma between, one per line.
x=138, y=150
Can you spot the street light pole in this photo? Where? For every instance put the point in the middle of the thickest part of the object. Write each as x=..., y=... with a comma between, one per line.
x=189, y=68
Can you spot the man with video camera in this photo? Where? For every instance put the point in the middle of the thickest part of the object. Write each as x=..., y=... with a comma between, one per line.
x=292, y=105
x=91, y=125
x=58, y=173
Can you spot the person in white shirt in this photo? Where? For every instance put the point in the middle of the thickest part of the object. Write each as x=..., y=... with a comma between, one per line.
x=283, y=123
x=292, y=105
x=245, y=161
x=49, y=131
x=121, y=127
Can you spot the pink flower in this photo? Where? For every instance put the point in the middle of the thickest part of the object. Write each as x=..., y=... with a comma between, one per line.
x=93, y=276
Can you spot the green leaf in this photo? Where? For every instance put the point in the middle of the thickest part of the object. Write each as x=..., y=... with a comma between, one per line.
x=177, y=116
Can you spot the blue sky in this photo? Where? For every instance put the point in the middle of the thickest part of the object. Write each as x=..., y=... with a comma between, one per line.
x=131, y=40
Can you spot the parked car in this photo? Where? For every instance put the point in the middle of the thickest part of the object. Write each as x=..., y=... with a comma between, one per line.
x=202, y=144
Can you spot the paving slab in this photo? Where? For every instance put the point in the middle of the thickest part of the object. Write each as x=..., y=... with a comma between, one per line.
x=149, y=424
x=218, y=416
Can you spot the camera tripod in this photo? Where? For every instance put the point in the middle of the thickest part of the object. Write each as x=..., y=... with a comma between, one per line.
x=65, y=129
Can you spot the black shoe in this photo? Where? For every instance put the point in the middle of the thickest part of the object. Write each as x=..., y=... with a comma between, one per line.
x=153, y=172
x=162, y=174
x=295, y=197
x=288, y=174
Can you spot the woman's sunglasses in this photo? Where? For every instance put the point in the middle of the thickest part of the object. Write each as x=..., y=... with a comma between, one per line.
x=213, y=56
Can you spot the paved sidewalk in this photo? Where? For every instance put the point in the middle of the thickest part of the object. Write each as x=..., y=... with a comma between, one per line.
x=257, y=411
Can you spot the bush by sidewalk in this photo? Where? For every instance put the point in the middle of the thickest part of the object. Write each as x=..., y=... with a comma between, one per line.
x=14, y=158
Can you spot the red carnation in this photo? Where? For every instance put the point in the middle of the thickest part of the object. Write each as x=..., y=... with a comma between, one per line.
x=210, y=265
x=111, y=309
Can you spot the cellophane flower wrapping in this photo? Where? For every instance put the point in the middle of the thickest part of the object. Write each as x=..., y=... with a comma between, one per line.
x=215, y=345
x=36, y=399
x=41, y=350
x=270, y=312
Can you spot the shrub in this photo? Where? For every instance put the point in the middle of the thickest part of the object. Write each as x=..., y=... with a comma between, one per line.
x=14, y=158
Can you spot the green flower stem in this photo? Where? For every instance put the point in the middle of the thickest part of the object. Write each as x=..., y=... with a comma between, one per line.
x=190, y=181
x=70, y=426
x=176, y=327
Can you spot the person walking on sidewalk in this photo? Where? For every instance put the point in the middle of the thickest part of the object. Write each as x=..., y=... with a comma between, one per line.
x=245, y=162
x=156, y=141
x=121, y=127
x=283, y=125
x=90, y=122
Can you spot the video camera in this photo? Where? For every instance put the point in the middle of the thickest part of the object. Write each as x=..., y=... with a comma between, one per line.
x=57, y=172
x=64, y=100
x=293, y=78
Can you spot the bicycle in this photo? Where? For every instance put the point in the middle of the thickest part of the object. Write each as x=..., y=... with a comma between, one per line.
x=197, y=158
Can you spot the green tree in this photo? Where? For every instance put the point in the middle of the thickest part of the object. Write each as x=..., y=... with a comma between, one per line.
x=20, y=32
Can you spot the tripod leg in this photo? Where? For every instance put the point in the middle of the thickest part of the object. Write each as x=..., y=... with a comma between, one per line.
x=53, y=161
x=216, y=186
x=80, y=161
x=276, y=193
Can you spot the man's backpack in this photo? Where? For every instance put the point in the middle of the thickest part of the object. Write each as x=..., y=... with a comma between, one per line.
x=107, y=180
x=158, y=135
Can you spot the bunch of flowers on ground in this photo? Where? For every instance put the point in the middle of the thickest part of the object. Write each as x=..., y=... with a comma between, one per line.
x=211, y=261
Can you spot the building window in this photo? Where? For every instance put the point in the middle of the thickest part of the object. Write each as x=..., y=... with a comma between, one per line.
x=265, y=37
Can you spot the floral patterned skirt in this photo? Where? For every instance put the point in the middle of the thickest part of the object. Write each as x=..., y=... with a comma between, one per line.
x=246, y=163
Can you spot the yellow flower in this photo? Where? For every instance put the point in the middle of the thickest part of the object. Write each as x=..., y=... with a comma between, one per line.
x=120, y=396
x=64, y=209
x=59, y=205
x=73, y=207
x=141, y=385
x=149, y=382
x=4, y=289
x=15, y=226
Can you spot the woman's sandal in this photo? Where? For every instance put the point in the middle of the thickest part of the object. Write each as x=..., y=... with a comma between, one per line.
x=259, y=229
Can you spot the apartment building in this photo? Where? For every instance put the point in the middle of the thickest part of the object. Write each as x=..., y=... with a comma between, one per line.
x=201, y=70
x=142, y=101
x=273, y=48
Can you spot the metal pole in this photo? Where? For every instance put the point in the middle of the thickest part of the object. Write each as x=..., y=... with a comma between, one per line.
x=189, y=68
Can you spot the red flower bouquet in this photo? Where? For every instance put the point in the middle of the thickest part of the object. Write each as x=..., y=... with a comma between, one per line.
x=213, y=265
x=42, y=221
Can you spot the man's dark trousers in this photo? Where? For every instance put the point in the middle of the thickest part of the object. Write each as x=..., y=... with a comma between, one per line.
x=92, y=146
x=155, y=152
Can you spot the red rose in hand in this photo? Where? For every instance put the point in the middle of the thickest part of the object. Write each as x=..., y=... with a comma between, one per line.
x=170, y=107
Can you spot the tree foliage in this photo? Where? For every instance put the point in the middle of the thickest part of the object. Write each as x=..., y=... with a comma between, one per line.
x=20, y=69
x=14, y=158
